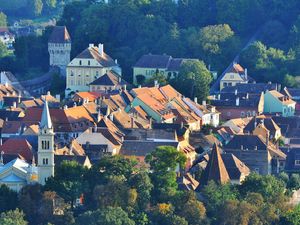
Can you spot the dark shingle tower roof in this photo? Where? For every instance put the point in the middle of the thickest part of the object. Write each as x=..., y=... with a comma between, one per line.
x=59, y=34
x=215, y=169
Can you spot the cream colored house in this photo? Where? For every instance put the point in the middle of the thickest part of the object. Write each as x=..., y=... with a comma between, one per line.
x=88, y=66
x=150, y=64
x=235, y=75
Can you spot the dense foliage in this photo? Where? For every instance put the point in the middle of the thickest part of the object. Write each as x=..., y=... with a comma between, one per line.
x=118, y=192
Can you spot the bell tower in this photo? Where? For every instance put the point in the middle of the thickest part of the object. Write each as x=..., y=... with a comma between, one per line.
x=45, y=146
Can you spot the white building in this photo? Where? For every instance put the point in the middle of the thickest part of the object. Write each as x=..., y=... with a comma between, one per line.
x=17, y=173
x=88, y=66
x=45, y=147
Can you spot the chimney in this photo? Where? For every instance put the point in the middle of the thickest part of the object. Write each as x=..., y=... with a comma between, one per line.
x=1, y=158
x=219, y=96
x=91, y=45
x=101, y=49
x=196, y=100
x=65, y=107
x=246, y=74
x=116, y=61
x=14, y=105
x=6, y=84
x=150, y=123
x=125, y=87
x=131, y=122
x=74, y=105
x=204, y=103
x=140, y=86
x=237, y=101
x=156, y=84
x=48, y=93
x=111, y=117
x=247, y=96
x=236, y=92
x=120, y=79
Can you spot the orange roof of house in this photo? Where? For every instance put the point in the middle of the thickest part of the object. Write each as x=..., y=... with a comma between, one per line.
x=91, y=96
x=78, y=113
x=169, y=92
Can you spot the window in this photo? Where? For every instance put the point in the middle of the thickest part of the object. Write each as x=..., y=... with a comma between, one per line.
x=45, y=161
x=225, y=84
x=89, y=63
x=256, y=170
x=97, y=73
x=242, y=114
x=80, y=63
x=297, y=162
x=229, y=84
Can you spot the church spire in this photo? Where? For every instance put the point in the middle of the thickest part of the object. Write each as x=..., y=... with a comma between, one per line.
x=46, y=119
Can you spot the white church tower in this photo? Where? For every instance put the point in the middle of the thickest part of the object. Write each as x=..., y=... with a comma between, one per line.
x=45, y=147
x=59, y=48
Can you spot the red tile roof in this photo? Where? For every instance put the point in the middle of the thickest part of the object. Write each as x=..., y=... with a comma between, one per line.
x=18, y=147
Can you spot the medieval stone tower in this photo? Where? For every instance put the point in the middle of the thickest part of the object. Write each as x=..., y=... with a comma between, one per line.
x=45, y=146
x=59, y=48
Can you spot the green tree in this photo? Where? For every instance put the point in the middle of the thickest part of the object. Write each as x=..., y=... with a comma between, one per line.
x=68, y=181
x=3, y=20
x=142, y=183
x=187, y=206
x=268, y=186
x=30, y=197
x=294, y=182
x=159, y=77
x=163, y=162
x=8, y=198
x=289, y=81
x=216, y=195
x=193, y=79
x=291, y=217
x=108, y=216
x=115, y=193
x=35, y=7
x=3, y=50
x=12, y=217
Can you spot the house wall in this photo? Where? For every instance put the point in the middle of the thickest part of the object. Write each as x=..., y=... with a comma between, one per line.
x=59, y=55
x=146, y=108
x=230, y=79
x=81, y=72
x=101, y=88
x=256, y=160
x=147, y=72
x=228, y=113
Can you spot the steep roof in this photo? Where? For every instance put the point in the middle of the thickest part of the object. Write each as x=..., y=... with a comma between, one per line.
x=234, y=166
x=18, y=147
x=46, y=119
x=109, y=79
x=93, y=53
x=153, y=61
x=268, y=122
x=59, y=34
x=215, y=169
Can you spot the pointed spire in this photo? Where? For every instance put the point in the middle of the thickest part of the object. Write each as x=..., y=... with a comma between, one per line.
x=215, y=169
x=46, y=119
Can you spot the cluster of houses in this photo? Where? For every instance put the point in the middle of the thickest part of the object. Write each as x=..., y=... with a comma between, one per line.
x=249, y=126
